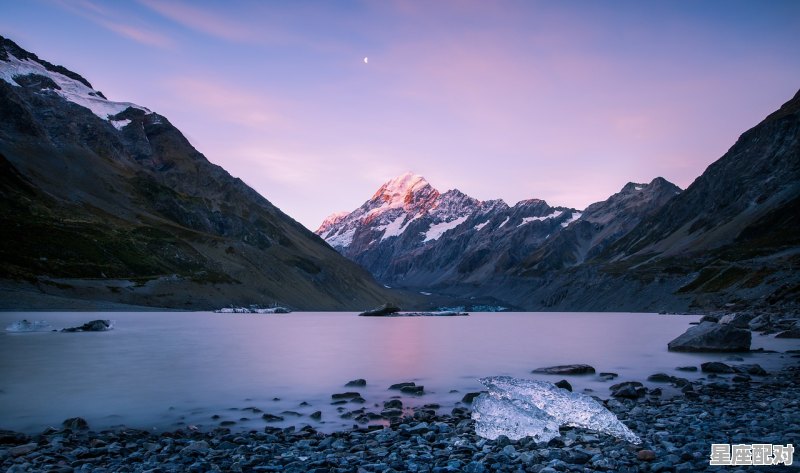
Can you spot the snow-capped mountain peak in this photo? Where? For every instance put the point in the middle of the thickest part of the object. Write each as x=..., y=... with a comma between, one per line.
x=410, y=228
x=408, y=191
x=331, y=221
x=401, y=186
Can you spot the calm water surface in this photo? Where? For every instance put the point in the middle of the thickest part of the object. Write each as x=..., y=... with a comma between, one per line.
x=161, y=370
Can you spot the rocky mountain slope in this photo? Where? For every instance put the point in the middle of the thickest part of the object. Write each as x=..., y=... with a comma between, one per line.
x=732, y=239
x=107, y=201
x=600, y=225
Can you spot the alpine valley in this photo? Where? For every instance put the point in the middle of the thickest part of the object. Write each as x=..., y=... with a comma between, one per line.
x=106, y=203
x=732, y=239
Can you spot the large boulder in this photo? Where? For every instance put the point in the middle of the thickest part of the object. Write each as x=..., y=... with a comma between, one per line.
x=711, y=337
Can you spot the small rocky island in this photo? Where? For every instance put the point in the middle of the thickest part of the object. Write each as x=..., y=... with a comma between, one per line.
x=390, y=310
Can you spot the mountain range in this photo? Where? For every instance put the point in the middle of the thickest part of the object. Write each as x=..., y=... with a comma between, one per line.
x=410, y=234
x=731, y=239
x=108, y=203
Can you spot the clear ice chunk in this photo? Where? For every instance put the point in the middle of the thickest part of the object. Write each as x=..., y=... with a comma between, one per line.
x=520, y=408
x=29, y=326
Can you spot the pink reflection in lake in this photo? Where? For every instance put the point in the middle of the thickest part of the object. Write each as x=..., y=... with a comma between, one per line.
x=159, y=369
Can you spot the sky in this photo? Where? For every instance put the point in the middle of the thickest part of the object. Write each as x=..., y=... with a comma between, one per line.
x=565, y=101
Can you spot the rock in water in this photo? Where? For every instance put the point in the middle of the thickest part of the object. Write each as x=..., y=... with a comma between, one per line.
x=400, y=386
x=564, y=384
x=716, y=367
x=628, y=390
x=711, y=337
x=520, y=408
x=386, y=309
x=565, y=369
x=93, y=326
x=76, y=423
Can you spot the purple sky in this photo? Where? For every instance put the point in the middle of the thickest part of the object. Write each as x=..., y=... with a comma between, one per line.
x=561, y=100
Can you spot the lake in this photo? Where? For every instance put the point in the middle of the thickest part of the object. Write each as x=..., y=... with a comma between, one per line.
x=163, y=370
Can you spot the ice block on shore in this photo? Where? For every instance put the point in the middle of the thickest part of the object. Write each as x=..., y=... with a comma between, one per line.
x=520, y=408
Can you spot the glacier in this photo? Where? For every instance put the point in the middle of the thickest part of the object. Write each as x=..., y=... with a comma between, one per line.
x=520, y=408
x=438, y=229
x=69, y=88
x=555, y=214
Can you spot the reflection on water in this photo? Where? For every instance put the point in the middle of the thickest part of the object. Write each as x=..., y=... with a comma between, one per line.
x=158, y=369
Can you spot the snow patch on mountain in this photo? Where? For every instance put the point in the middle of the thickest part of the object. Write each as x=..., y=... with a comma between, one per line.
x=526, y=220
x=504, y=222
x=120, y=124
x=343, y=239
x=70, y=89
x=575, y=216
x=439, y=229
x=395, y=228
x=479, y=226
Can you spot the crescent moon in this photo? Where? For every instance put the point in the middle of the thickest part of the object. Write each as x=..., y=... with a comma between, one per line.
x=366, y=60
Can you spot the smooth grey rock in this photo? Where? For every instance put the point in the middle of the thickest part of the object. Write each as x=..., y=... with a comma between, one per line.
x=93, y=326
x=347, y=395
x=564, y=384
x=711, y=337
x=660, y=378
x=76, y=423
x=400, y=386
x=393, y=404
x=413, y=390
x=753, y=369
x=628, y=390
x=566, y=369
x=716, y=367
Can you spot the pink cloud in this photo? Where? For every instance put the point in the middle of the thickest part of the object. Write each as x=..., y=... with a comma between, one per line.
x=239, y=26
x=227, y=101
x=143, y=36
x=208, y=22
x=113, y=21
